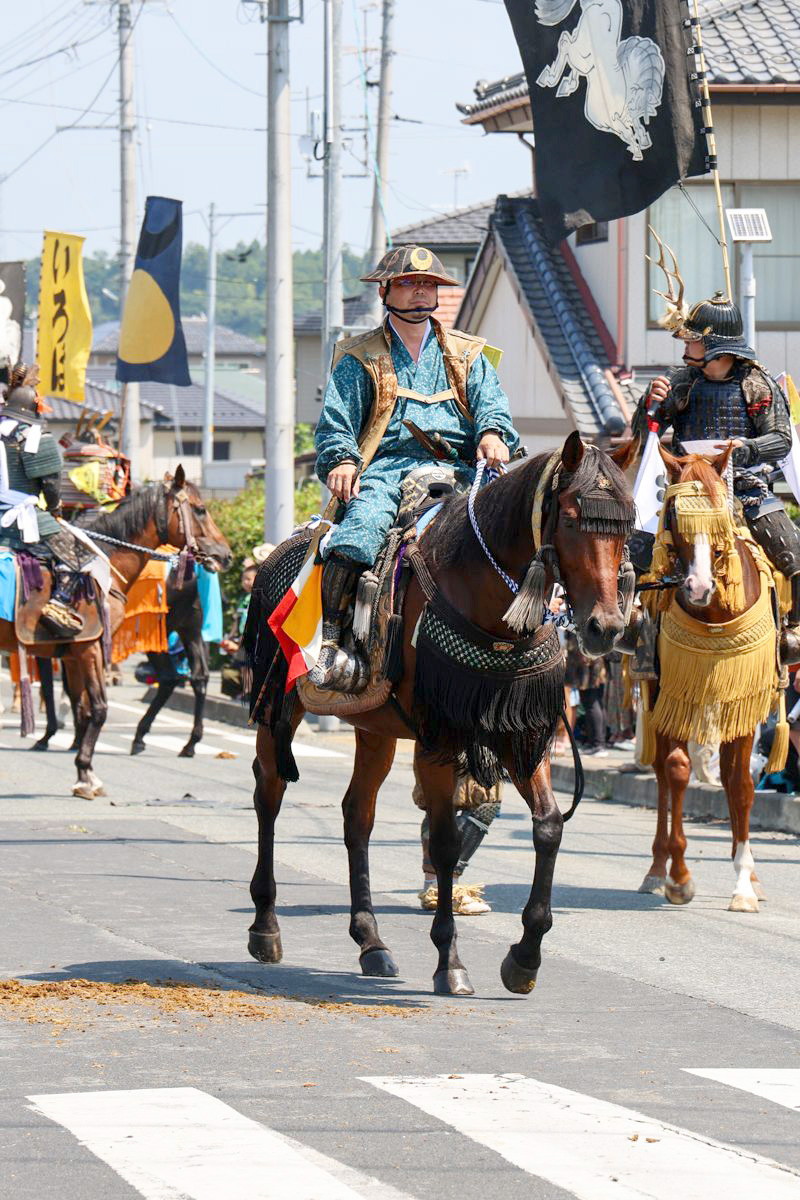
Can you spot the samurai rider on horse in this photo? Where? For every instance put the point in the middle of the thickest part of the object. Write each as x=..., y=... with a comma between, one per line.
x=443, y=384
x=30, y=466
x=723, y=393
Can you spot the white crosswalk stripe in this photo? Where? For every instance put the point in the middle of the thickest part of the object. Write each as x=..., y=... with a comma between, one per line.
x=596, y=1150
x=182, y=1144
x=781, y=1085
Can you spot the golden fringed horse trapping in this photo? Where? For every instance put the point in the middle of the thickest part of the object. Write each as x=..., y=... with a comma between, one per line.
x=719, y=672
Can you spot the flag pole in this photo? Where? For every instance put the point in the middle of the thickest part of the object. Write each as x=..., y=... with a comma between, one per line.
x=711, y=140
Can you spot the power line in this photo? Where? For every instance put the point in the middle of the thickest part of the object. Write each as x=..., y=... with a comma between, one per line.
x=243, y=87
x=10, y=174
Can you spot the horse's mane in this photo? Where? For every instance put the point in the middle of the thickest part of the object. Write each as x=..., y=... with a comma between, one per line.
x=503, y=508
x=129, y=518
x=699, y=469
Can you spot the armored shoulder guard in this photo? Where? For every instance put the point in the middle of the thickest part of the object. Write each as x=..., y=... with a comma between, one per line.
x=46, y=460
x=362, y=346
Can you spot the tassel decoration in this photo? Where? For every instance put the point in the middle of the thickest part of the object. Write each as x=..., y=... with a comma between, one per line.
x=779, y=751
x=627, y=589
x=393, y=655
x=365, y=601
x=105, y=612
x=526, y=611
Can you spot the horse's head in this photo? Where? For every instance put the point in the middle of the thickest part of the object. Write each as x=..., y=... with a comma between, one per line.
x=697, y=524
x=591, y=518
x=190, y=524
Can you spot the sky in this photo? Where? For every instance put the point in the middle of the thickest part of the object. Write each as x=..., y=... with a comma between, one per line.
x=201, y=115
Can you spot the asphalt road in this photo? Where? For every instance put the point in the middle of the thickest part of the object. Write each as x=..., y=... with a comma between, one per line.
x=340, y=1086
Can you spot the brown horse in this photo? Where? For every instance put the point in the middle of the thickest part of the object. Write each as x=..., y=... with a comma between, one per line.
x=171, y=512
x=705, y=561
x=585, y=551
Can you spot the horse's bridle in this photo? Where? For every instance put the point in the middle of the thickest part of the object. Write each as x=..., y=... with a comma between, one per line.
x=544, y=519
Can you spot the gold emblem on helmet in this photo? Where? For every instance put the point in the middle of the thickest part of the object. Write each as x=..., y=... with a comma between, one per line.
x=421, y=259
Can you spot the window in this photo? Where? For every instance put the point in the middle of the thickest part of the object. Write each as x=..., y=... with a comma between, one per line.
x=698, y=255
x=194, y=447
x=776, y=263
x=595, y=231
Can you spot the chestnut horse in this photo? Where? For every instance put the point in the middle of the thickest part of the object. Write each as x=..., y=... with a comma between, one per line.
x=587, y=558
x=170, y=512
x=703, y=595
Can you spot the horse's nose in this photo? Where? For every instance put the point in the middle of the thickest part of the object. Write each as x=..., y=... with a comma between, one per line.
x=599, y=634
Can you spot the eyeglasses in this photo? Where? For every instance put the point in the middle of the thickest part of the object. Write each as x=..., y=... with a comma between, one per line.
x=415, y=281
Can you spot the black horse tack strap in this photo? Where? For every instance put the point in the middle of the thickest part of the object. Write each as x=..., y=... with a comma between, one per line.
x=480, y=700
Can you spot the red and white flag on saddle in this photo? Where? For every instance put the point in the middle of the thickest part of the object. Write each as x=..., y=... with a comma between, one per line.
x=297, y=621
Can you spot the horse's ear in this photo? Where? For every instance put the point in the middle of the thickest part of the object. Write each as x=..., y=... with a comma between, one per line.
x=572, y=453
x=672, y=463
x=180, y=477
x=624, y=454
x=720, y=463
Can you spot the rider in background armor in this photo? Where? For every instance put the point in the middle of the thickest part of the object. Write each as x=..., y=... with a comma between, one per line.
x=30, y=467
x=722, y=393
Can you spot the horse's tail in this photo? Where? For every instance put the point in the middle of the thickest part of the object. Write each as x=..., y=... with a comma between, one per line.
x=264, y=655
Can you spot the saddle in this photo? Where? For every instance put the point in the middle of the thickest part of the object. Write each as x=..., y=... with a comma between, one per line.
x=374, y=628
x=39, y=620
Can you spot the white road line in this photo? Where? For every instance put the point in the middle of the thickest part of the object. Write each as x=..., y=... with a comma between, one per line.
x=596, y=1150
x=63, y=740
x=301, y=749
x=182, y=1144
x=781, y=1085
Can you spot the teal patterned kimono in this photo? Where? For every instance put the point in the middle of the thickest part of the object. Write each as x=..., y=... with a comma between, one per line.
x=346, y=407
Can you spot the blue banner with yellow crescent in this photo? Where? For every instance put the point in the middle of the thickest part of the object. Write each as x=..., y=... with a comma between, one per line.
x=151, y=342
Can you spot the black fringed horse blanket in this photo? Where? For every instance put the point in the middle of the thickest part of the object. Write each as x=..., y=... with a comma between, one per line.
x=478, y=699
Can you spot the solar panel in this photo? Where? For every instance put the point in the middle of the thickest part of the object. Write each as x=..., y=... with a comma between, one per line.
x=748, y=224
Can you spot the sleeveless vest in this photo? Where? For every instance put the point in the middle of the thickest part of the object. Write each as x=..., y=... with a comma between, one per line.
x=374, y=351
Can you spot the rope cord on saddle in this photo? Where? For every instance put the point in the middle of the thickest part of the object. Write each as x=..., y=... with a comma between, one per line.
x=473, y=491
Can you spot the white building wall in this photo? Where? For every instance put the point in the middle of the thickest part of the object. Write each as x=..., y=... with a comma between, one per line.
x=753, y=143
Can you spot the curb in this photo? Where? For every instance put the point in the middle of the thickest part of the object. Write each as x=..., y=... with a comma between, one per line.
x=703, y=801
x=772, y=811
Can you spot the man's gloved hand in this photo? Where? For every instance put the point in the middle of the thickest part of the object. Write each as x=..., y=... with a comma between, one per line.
x=341, y=482
x=493, y=449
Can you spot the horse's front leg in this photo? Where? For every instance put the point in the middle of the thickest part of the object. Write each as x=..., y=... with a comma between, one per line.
x=373, y=761
x=45, y=666
x=164, y=690
x=521, y=965
x=94, y=697
x=679, y=888
x=197, y=654
x=655, y=880
x=734, y=769
x=438, y=782
x=264, y=942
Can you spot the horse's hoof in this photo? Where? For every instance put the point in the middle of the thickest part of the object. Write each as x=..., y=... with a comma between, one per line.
x=679, y=893
x=186, y=752
x=653, y=885
x=265, y=947
x=42, y=744
x=137, y=747
x=745, y=904
x=97, y=785
x=378, y=962
x=83, y=790
x=516, y=978
x=453, y=981
x=758, y=887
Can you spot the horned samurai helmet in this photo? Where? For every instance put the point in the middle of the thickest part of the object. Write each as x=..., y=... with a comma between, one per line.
x=402, y=261
x=717, y=322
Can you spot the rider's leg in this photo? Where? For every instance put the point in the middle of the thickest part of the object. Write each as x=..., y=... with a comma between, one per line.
x=779, y=538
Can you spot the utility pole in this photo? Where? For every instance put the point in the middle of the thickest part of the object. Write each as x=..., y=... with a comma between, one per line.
x=127, y=226
x=279, y=432
x=333, y=306
x=381, y=162
x=211, y=315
